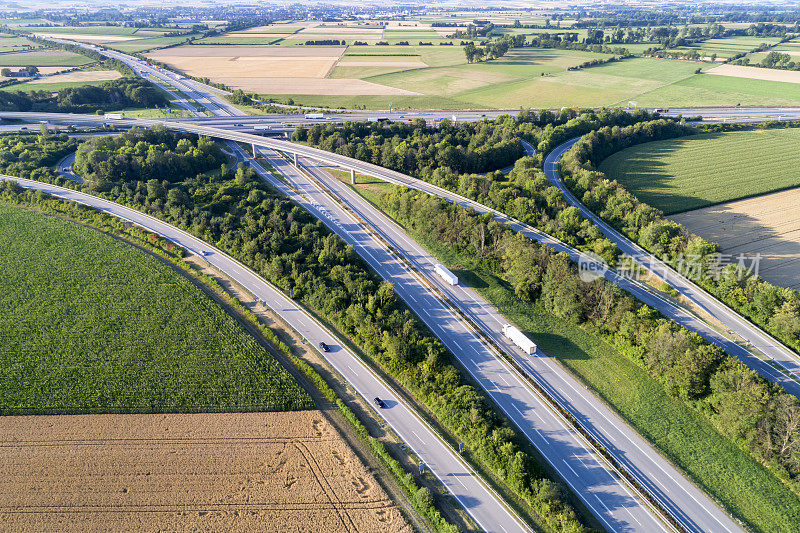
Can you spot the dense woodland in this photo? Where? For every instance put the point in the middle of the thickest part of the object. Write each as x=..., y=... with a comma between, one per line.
x=238, y=212
x=108, y=96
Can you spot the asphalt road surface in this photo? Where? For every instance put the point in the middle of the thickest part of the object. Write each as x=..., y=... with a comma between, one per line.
x=481, y=502
x=771, y=349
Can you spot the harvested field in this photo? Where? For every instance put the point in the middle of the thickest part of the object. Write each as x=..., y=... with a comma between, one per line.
x=272, y=70
x=257, y=68
x=756, y=73
x=227, y=52
x=768, y=225
x=327, y=86
x=234, y=472
x=80, y=76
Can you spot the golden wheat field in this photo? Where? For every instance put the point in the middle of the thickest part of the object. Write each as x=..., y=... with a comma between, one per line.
x=237, y=472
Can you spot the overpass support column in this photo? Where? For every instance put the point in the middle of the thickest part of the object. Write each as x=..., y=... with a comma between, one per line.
x=352, y=176
x=254, y=150
x=294, y=156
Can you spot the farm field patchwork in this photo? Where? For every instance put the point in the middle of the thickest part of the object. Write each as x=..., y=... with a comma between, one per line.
x=768, y=225
x=691, y=172
x=92, y=324
x=212, y=472
x=271, y=70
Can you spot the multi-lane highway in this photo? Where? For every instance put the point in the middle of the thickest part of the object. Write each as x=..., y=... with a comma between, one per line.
x=594, y=481
x=690, y=507
x=480, y=501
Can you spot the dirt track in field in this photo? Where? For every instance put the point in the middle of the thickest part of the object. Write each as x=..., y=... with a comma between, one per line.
x=237, y=472
x=768, y=225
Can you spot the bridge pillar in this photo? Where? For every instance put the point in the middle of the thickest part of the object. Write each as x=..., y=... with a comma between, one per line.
x=352, y=176
x=254, y=150
x=294, y=156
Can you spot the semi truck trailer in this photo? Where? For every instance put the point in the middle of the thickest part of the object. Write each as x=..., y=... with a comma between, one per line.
x=446, y=275
x=519, y=338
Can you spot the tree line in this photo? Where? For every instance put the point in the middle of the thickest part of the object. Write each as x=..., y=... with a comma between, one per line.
x=776, y=310
x=108, y=96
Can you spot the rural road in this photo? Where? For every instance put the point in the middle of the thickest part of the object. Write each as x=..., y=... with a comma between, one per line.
x=481, y=502
x=770, y=347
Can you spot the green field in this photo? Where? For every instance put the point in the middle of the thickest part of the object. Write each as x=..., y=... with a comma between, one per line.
x=691, y=172
x=728, y=46
x=92, y=324
x=141, y=45
x=537, y=78
x=43, y=58
x=686, y=437
x=52, y=87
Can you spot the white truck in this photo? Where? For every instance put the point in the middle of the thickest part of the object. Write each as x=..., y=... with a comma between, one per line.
x=445, y=274
x=114, y=116
x=519, y=338
x=262, y=127
x=314, y=116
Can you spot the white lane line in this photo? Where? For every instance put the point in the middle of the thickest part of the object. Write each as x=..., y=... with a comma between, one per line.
x=601, y=503
x=412, y=296
x=418, y=437
x=633, y=516
x=517, y=409
x=459, y=346
x=504, y=380
x=570, y=467
x=353, y=371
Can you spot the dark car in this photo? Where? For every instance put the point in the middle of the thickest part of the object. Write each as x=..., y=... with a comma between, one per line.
x=380, y=403
x=324, y=347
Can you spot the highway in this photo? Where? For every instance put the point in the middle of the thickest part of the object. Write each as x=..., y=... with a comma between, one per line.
x=774, y=353
x=600, y=488
x=677, y=507
x=689, y=505
x=688, y=510
x=480, y=501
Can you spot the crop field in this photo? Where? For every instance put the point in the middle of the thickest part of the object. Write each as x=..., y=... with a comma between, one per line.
x=768, y=225
x=44, y=58
x=692, y=172
x=92, y=324
x=273, y=70
x=148, y=43
x=200, y=472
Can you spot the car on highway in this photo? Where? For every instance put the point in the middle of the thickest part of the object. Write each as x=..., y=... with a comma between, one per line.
x=324, y=347
x=205, y=253
x=380, y=403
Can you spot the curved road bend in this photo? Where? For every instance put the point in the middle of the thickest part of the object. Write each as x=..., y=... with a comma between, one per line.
x=482, y=503
x=727, y=317
x=667, y=485
x=608, y=497
x=763, y=342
